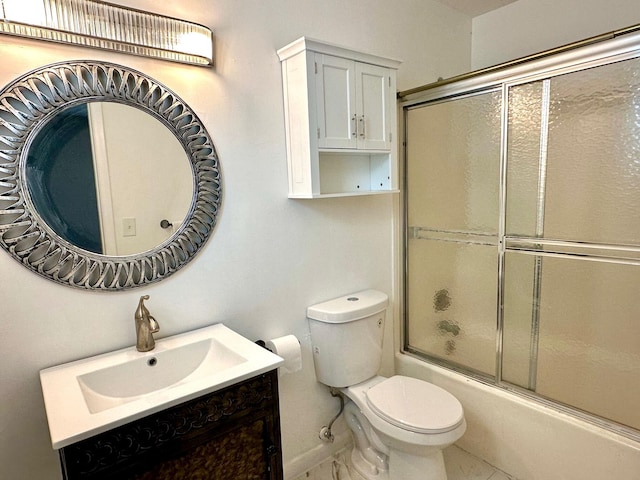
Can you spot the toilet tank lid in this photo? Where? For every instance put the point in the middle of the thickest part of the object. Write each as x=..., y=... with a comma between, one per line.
x=350, y=307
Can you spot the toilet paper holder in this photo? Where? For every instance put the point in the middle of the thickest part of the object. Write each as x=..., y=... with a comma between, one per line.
x=288, y=348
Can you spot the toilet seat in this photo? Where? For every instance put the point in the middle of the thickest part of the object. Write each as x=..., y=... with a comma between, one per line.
x=414, y=405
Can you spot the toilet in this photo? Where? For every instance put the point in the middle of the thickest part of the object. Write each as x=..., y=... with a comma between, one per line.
x=400, y=425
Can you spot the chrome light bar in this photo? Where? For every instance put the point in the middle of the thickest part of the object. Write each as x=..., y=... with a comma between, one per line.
x=97, y=24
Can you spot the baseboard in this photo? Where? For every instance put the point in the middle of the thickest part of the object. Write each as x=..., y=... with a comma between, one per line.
x=303, y=463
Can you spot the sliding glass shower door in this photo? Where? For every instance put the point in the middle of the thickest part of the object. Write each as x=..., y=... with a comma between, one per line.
x=453, y=178
x=523, y=236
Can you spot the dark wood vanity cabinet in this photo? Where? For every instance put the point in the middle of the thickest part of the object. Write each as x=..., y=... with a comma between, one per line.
x=231, y=434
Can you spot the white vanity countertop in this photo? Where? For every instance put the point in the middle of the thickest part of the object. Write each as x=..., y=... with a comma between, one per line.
x=89, y=396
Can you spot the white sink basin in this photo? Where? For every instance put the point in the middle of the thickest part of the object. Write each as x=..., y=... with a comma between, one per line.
x=90, y=396
x=136, y=377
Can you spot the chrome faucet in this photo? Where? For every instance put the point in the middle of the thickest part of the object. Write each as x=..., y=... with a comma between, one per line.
x=146, y=326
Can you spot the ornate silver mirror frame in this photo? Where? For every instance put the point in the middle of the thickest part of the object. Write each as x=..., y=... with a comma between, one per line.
x=26, y=104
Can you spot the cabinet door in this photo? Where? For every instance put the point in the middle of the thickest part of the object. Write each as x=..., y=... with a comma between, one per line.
x=336, y=102
x=373, y=107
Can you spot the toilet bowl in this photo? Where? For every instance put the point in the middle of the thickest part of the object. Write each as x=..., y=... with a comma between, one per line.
x=399, y=424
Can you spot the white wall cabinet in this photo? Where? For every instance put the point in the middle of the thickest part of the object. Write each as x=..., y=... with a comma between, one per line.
x=340, y=118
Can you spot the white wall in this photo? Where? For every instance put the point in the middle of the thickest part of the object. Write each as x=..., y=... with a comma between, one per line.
x=269, y=256
x=530, y=26
x=527, y=440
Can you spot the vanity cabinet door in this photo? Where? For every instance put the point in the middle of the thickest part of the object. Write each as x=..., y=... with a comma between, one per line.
x=232, y=434
x=239, y=454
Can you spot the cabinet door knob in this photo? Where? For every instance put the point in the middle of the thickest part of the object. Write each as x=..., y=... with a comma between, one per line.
x=362, y=132
x=354, y=126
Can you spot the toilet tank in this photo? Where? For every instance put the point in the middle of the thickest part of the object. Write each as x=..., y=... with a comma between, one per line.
x=346, y=337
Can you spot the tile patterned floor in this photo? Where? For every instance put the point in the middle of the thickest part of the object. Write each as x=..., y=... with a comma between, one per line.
x=460, y=465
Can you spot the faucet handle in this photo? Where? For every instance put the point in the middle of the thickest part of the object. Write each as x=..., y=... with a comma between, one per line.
x=153, y=324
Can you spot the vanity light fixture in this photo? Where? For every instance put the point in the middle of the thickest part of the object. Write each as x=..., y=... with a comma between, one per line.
x=97, y=24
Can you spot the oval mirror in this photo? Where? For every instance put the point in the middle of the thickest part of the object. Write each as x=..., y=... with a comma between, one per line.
x=108, y=180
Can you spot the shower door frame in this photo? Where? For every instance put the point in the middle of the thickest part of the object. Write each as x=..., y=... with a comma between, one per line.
x=594, y=52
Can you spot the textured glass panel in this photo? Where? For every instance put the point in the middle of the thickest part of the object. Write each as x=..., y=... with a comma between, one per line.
x=518, y=318
x=453, y=164
x=451, y=305
x=592, y=188
x=588, y=349
x=524, y=162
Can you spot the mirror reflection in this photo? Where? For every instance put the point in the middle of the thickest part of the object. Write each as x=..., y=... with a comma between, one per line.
x=109, y=178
